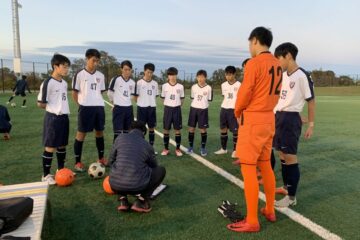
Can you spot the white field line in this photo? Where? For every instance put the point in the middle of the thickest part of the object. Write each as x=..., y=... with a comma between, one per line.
x=296, y=217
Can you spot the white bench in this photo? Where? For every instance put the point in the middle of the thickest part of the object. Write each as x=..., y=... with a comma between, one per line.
x=32, y=226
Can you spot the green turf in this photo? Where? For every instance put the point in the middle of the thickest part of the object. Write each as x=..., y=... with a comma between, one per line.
x=328, y=190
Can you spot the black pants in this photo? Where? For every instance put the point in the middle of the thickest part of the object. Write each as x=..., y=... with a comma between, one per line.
x=157, y=176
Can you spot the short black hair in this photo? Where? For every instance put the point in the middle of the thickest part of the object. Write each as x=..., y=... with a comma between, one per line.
x=285, y=48
x=91, y=52
x=244, y=62
x=230, y=69
x=263, y=35
x=172, y=71
x=202, y=72
x=23, y=77
x=58, y=59
x=149, y=66
x=139, y=125
x=126, y=63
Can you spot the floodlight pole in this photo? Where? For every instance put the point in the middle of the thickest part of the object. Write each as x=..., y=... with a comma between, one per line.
x=16, y=36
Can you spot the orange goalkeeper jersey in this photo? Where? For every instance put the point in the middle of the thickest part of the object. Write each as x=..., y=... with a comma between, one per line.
x=259, y=91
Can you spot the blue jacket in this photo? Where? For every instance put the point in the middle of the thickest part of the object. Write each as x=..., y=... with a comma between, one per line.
x=132, y=159
x=4, y=118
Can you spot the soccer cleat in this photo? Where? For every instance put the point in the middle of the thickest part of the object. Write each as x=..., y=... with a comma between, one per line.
x=141, y=206
x=285, y=202
x=203, y=152
x=271, y=217
x=49, y=179
x=233, y=155
x=156, y=153
x=165, y=152
x=79, y=167
x=281, y=190
x=6, y=137
x=190, y=150
x=221, y=151
x=124, y=204
x=178, y=153
x=103, y=161
x=243, y=226
x=23, y=106
x=7, y=103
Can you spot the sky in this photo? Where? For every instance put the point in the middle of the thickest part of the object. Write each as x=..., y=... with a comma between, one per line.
x=187, y=34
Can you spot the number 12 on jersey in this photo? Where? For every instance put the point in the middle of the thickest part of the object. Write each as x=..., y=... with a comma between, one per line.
x=278, y=77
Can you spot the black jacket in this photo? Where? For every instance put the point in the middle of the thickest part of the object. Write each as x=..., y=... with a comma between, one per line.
x=132, y=159
x=4, y=118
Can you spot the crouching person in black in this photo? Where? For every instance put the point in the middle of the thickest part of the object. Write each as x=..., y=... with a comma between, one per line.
x=134, y=170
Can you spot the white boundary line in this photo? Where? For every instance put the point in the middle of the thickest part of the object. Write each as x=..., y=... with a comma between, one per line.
x=296, y=217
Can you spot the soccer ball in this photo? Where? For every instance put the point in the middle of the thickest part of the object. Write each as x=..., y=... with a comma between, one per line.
x=64, y=177
x=13, y=104
x=96, y=170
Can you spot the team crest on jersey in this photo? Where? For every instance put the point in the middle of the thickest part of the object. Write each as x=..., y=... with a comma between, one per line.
x=178, y=91
x=235, y=89
x=153, y=87
x=131, y=88
x=204, y=93
x=98, y=80
x=292, y=84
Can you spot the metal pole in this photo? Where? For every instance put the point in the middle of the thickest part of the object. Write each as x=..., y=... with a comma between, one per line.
x=16, y=36
x=34, y=82
x=2, y=75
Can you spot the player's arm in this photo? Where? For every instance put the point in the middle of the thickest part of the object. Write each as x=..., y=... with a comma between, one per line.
x=182, y=95
x=162, y=94
x=311, y=119
x=245, y=93
x=42, y=97
x=74, y=95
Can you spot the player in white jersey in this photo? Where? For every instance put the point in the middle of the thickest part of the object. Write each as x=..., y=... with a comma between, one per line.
x=228, y=120
x=121, y=90
x=88, y=85
x=297, y=88
x=201, y=94
x=53, y=98
x=173, y=95
x=146, y=92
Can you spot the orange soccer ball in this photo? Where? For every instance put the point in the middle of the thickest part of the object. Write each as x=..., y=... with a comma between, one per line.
x=64, y=177
x=106, y=186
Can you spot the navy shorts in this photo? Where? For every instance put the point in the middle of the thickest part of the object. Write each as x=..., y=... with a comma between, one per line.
x=56, y=130
x=172, y=116
x=90, y=118
x=20, y=93
x=147, y=115
x=228, y=120
x=199, y=116
x=122, y=118
x=287, y=132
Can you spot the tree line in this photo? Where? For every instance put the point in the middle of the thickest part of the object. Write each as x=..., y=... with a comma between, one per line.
x=110, y=67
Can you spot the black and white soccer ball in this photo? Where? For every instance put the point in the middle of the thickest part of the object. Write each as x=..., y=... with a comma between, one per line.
x=13, y=104
x=96, y=170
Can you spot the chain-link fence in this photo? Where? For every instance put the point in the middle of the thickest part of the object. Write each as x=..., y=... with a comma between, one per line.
x=36, y=72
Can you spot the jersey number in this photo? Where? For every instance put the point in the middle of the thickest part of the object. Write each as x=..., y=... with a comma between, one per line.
x=149, y=92
x=230, y=95
x=172, y=96
x=278, y=74
x=199, y=97
x=93, y=86
x=63, y=97
x=126, y=93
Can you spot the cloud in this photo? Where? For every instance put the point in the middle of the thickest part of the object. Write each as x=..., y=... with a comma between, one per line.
x=186, y=56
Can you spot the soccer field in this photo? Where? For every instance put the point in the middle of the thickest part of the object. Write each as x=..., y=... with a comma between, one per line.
x=327, y=194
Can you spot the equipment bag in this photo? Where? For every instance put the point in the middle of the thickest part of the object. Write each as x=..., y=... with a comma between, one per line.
x=13, y=212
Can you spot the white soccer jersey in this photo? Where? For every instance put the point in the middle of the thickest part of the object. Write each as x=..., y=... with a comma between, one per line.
x=54, y=94
x=89, y=87
x=201, y=96
x=229, y=91
x=172, y=94
x=295, y=90
x=120, y=91
x=146, y=91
